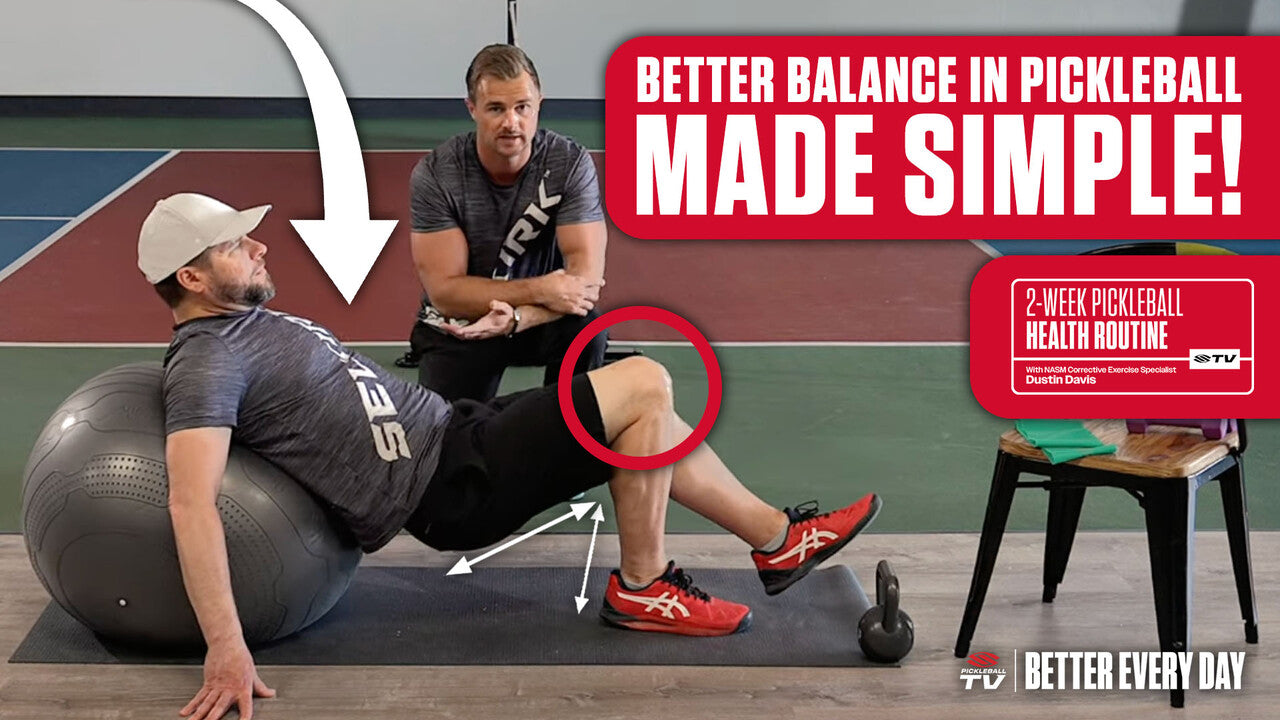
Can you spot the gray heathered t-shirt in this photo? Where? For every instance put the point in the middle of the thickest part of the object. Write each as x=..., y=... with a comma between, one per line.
x=358, y=438
x=510, y=229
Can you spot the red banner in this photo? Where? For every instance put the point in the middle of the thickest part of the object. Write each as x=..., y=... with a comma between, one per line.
x=1126, y=336
x=942, y=137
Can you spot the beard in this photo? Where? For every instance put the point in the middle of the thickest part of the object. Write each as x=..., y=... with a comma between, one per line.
x=250, y=293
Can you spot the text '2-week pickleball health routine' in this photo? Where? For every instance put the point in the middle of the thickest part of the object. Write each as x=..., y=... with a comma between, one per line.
x=1115, y=138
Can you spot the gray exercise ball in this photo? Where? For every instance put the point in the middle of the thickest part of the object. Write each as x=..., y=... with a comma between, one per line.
x=95, y=515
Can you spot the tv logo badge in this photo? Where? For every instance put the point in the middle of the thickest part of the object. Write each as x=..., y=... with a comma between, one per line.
x=983, y=665
x=1215, y=359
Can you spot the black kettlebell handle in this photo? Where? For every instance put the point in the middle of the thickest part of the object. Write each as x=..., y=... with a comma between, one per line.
x=884, y=573
x=890, y=617
x=887, y=595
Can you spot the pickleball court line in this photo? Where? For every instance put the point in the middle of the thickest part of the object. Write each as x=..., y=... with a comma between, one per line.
x=75, y=222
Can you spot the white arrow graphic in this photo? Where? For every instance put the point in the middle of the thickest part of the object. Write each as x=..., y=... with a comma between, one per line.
x=346, y=242
x=463, y=567
x=581, y=600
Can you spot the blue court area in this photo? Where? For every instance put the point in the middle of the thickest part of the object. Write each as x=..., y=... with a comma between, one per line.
x=1075, y=247
x=42, y=190
x=19, y=236
x=64, y=183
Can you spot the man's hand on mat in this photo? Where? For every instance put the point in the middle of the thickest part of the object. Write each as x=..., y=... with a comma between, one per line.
x=496, y=324
x=229, y=679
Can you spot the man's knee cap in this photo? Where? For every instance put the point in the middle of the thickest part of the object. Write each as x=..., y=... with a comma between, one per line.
x=649, y=377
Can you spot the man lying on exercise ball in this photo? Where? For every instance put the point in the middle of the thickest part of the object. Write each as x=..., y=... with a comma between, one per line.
x=384, y=454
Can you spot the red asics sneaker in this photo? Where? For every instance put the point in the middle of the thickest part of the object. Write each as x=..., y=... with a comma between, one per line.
x=811, y=539
x=671, y=604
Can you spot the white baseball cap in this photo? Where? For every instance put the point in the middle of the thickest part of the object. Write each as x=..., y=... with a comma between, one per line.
x=182, y=226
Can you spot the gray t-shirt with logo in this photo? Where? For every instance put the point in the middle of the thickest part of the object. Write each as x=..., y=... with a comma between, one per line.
x=510, y=229
x=358, y=438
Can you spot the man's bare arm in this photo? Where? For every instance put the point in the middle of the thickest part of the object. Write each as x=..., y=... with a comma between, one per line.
x=583, y=246
x=196, y=460
x=441, y=261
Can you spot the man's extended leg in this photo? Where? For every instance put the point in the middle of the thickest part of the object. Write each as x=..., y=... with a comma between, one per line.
x=639, y=419
x=648, y=592
x=804, y=540
x=787, y=544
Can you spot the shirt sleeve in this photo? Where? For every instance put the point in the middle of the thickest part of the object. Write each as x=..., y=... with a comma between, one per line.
x=581, y=202
x=203, y=385
x=429, y=205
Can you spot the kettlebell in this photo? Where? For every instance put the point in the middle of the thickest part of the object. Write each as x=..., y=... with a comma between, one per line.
x=885, y=633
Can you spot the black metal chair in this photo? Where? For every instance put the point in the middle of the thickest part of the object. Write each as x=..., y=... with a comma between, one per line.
x=1162, y=470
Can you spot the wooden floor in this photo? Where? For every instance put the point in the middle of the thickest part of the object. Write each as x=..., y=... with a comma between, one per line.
x=1105, y=604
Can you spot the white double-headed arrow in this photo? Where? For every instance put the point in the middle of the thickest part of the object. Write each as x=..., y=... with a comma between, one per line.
x=581, y=600
x=577, y=510
x=346, y=242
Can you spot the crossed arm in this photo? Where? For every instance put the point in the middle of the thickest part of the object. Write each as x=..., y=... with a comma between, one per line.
x=196, y=460
x=441, y=261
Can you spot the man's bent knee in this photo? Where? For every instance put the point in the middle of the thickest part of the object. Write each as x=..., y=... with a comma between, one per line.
x=630, y=389
x=648, y=382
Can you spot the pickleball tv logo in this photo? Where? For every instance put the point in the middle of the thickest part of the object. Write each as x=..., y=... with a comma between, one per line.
x=984, y=666
x=1215, y=359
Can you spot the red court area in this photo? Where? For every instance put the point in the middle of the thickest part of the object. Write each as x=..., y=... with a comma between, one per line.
x=86, y=287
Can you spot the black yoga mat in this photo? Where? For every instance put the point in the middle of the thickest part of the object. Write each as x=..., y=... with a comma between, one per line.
x=516, y=616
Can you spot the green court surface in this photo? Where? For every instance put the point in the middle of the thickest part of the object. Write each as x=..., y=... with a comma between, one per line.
x=824, y=423
x=798, y=423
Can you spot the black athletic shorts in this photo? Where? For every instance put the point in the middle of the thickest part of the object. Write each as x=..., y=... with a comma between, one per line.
x=505, y=461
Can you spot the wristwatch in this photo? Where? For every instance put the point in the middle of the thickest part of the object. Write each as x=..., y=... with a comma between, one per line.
x=515, y=315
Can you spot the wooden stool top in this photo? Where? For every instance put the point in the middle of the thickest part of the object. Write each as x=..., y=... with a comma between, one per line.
x=1169, y=451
